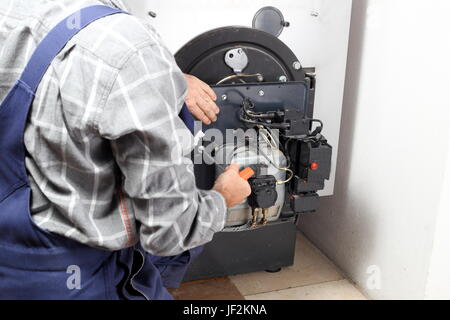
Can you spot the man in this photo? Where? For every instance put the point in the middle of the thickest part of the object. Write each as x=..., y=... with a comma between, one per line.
x=104, y=157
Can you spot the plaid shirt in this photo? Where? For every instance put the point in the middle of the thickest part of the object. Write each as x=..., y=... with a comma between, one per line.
x=106, y=149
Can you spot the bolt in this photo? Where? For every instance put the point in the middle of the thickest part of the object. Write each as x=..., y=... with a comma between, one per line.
x=282, y=79
x=297, y=65
x=261, y=93
x=224, y=97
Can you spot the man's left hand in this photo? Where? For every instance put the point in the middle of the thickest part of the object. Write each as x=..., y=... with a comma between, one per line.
x=200, y=100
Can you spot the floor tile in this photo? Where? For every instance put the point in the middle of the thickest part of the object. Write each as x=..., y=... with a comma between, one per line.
x=214, y=289
x=336, y=290
x=310, y=267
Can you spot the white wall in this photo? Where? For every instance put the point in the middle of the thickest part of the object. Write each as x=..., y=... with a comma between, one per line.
x=320, y=42
x=389, y=217
x=438, y=285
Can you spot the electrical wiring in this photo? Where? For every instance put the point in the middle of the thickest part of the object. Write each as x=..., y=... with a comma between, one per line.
x=281, y=126
x=267, y=134
x=250, y=117
x=262, y=119
x=263, y=122
x=267, y=157
x=239, y=76
x=318, y=129
x=247, y=103
x=276, y=148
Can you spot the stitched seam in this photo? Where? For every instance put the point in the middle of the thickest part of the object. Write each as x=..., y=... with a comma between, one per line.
x=120, y=63
x=13, y=189
x=125, y=218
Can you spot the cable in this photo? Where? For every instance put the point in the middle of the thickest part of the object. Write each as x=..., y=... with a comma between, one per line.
x=281, y=126
x=275, y=147
x=247, y=103
x=239, y=76
x=249, y=117
x=266, y=156
x=318, y=129
x=244, y=110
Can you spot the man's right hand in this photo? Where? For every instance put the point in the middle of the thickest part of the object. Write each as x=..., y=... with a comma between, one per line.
x=232, y=187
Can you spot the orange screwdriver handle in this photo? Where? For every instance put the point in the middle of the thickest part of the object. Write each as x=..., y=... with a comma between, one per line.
x=247, y=173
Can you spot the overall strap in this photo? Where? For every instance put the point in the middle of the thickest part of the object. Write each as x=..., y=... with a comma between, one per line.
x=57, y=39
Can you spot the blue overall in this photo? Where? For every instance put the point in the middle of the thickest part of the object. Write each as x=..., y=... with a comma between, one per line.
x=36, y=264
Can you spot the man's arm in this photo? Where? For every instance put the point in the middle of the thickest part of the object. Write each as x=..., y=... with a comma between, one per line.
x=141, y=120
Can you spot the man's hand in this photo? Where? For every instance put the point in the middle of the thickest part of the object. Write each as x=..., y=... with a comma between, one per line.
x=200, y=100
x=232, y=187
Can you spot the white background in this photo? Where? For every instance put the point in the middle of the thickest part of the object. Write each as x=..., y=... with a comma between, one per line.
x=319, y=42
x=391, y=207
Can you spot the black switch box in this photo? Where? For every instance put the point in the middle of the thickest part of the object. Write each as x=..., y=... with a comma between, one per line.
x=264, y=192
x=305, y=203
x=312, y=164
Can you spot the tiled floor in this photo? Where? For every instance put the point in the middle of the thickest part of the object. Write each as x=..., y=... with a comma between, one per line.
x=334, y=290
x=312, y=276
x=215, y=289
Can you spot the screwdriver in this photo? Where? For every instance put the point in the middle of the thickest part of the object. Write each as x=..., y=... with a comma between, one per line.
x=245, y=174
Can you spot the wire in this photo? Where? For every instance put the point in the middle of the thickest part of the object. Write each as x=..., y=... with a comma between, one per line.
x=276, y=148
x=239, y=76
x=318, y=129
x=265, y=155
x=247, y=103
x=275, y=143
x=257, y=119
x=279, y=182
x=281, y=126
x=254, y=118
x=229, y=78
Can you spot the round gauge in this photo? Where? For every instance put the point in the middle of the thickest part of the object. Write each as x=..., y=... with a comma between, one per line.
x=270, y=20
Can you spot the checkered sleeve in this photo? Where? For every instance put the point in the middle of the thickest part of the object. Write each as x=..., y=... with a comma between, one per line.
x=150, y=145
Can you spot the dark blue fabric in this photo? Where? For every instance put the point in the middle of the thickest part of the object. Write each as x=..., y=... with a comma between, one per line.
x=36, y=264
x=187, y=118
x=173, y=269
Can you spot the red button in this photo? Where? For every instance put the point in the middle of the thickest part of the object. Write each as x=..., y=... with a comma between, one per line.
x=314, y=166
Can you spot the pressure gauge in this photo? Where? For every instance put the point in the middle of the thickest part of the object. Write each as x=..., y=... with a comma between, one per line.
x=270, y=20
